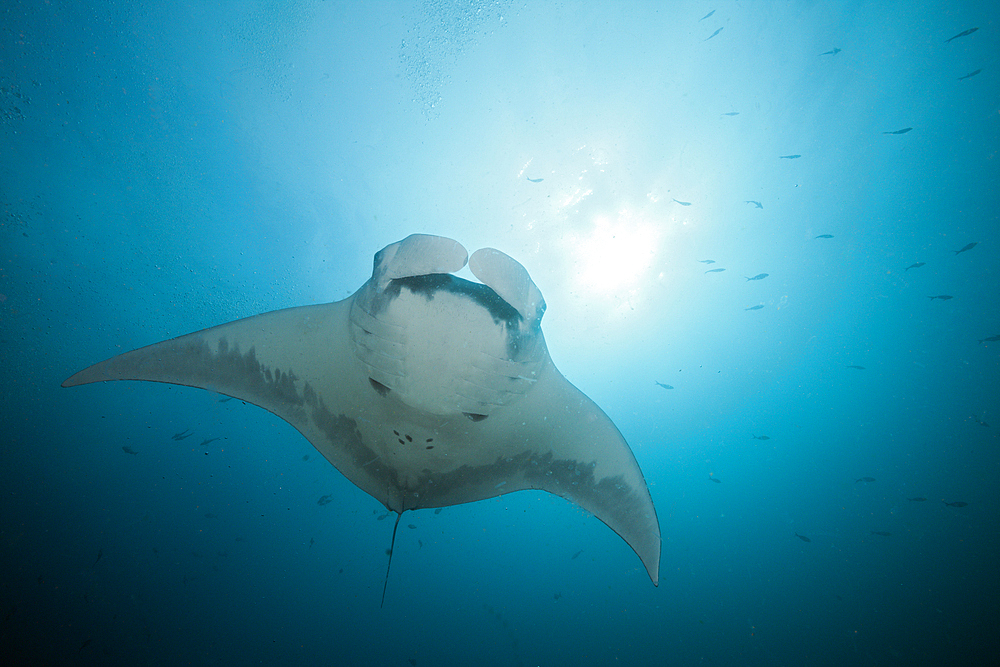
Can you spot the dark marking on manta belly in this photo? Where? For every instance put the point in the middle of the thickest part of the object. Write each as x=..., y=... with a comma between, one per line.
x=428, y=285
x=569, y=478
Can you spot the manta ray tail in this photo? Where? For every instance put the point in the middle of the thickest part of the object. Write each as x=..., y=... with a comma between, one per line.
x=392, y=545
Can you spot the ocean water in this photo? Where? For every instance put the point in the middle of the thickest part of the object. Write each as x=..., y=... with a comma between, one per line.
x=824, y=463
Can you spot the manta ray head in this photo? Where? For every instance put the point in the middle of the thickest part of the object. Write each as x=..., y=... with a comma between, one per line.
x=445, y=346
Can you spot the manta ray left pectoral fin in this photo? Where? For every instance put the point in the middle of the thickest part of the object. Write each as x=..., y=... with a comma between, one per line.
x=584, y=458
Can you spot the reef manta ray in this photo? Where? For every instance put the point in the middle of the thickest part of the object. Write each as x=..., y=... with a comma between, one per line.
x=422, y=388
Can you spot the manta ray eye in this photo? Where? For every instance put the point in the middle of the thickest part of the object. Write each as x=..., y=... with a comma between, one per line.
x=474, y=417
x=379, y=387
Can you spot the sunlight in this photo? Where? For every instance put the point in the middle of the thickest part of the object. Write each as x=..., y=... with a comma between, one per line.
x=617, y=253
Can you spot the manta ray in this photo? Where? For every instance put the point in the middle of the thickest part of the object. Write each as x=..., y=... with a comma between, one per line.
x=424, y=389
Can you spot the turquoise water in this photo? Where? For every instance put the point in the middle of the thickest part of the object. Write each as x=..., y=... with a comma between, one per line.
x=166, y=167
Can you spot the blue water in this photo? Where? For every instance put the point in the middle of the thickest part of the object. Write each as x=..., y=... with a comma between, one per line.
x=169, y=166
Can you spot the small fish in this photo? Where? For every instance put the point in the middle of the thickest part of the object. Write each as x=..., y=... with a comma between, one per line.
x=438, y=510
x=757, y=307
x=100, y=552
x=788, y=157
x=883, y=533
x=803, y=538
x=991, y=339
x=865, y=479
x=325, y=500
x=420, y=544
x=411, y=526
x=712, y=35
x=860, y=368
x=903, y=131
x=715, y=479
x=916, y=265
x=312, y=541
x=830, y=53
x=225, y=400
x=759, y=276
x=761, y=437
x=665, y=386
x=556, y=596
x=958, y=503
x=732, y=113
x=186, y=433
x=916, y=500
x=825, y=236
x=682, y=203
x=980, y=421
x=207, y=441
x=129, y=450
x=707, y=261
x=755, y=203
x=961, y=34
x=85, y=644
x=706, y=16
x=943, y=297
x=574, y=556
x=715, y=271
x=968, y=246
x=970, y=74
x=536, y=180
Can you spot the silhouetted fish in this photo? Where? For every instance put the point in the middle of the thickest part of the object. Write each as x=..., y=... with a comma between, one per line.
x=860, y=368
x=958, y=503
x=707, y=261
x=788, y=157
x=883, y=533
x=903, y=131
x=865, y=479
x=759, y=276
x=325, y=500
x=574, y=556
x=665, y=386
x=803, y=538
x=411, y=526
x=961, y=34
x=914, y=266
x=207, y=441
x=757, y=307
x=761, y=437
x=712, y=35
x=715, y=271
x=732, y=113
x=129, y=450
x=825, y=236
x=100, y=552
x=755, y=203
x=830, y=53
x=716, y=480
x=536, y=180
x=970, y=74
x=980, y=421
x=943, y=297
x=917, y=499
x=991, y=339
x=186, y=433
x=682, y=203
x=706, y=16
x=968, y=246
